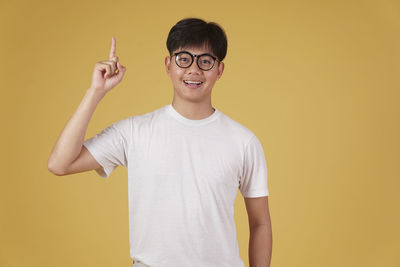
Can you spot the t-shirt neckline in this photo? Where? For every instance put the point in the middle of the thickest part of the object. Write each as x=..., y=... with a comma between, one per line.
x=171, y=110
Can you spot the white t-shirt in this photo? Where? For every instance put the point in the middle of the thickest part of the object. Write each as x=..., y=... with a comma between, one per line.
x=183, y=178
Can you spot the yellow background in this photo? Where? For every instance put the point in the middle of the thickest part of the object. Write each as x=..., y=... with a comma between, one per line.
x=316, y=81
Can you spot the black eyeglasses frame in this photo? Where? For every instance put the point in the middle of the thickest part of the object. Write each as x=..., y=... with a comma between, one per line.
x=197, y=59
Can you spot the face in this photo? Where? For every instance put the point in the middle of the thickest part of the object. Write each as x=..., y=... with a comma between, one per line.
x=193, y=84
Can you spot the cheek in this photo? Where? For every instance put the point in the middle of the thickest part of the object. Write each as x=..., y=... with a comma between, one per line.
x=211, y=78
x=175, y=76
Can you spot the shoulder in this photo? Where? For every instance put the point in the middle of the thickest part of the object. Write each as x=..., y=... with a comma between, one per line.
x=148, y=117
x=138, y=119
x=235, y=129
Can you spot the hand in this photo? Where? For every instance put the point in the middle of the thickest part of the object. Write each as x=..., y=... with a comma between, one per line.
x=107, y=74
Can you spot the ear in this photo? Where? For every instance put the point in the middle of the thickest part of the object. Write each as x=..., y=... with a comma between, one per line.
x=167, y=64
x=221, y=67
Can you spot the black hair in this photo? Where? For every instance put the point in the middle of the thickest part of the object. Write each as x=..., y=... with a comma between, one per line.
x=194, y=32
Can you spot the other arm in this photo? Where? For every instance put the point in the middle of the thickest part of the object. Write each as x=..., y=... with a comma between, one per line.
x=260, y=244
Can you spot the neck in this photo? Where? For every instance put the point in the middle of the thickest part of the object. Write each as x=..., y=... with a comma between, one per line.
x=193, y=111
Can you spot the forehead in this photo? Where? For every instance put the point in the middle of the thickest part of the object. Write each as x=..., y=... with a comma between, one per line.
x=204, y=49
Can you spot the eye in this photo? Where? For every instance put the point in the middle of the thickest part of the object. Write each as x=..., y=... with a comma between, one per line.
x=205, y=62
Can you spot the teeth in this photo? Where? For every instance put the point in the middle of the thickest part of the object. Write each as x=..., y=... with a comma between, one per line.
x=191, y=82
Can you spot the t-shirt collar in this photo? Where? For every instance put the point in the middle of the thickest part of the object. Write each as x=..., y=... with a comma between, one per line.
x=171, y=110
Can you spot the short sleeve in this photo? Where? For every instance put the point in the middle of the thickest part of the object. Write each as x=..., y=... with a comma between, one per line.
x=253, y=182
x=109, y=147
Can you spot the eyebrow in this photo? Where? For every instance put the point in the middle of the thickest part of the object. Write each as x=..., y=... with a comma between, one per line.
x=207, y=53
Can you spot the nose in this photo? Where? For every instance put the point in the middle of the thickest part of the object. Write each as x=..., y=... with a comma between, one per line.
x=194, y=68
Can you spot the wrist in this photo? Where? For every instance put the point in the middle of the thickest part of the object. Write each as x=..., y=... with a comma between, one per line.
x=94, y=94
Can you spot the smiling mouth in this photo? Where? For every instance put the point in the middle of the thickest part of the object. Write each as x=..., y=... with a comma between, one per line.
x=192, y=82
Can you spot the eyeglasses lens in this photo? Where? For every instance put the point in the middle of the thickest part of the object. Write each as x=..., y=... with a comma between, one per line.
x=205, y=62
x=183, y=60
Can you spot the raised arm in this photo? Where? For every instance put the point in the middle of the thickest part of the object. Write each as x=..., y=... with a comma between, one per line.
x=69, y=155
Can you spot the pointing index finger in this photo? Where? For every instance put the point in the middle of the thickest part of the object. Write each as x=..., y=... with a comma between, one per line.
x=113, y=48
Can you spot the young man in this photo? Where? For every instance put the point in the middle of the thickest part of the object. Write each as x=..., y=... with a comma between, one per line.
x=185, y=160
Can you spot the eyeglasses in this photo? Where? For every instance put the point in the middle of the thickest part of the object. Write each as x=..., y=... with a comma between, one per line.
x=185, y=59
